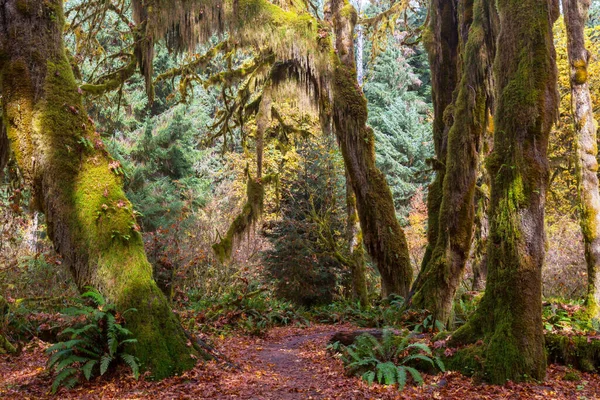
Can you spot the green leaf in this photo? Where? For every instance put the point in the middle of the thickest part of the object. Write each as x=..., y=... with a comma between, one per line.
x=416, y=375
x=95, y=295
x=420, y=346
x=64, y=374
x=369, y=376
x=133, y=363
x=421, y=357
x=88, y=368
x=401, y=377
x=105, y=363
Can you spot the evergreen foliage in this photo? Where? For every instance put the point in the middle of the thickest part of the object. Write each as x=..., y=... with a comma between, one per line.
x=94, y=344
x=397, y=91
x=302, y=262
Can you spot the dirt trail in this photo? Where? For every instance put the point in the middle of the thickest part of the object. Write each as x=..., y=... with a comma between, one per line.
x=290, y=363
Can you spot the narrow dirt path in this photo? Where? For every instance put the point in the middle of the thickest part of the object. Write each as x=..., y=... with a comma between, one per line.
x=290, y=363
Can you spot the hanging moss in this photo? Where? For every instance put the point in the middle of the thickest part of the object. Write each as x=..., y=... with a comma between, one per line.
x=382, y=234
x=79, y=187
x=251, y=212
x=438, y=280
x=113, y=80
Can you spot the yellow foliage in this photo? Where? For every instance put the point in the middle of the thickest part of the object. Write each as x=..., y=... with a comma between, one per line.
x=562, y=194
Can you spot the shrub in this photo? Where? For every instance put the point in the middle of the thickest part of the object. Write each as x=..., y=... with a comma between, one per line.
x=94, y=344
x=389, y=361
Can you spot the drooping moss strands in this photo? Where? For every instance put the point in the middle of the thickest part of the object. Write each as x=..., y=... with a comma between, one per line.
x=382, y=234
x=436, y=286
x=509, y=318
x=251, y=212
x=575, y=14
x=77, y=185
x=441, y=41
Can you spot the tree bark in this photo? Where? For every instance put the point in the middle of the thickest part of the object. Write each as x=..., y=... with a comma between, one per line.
x=441, y=42
x=76, y=183
x=355, y=248
x=383, y=237
x=509, y=318
x=575, y=13
x=438, y=280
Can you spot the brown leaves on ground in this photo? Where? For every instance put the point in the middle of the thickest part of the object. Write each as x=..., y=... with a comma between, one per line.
x=289, y=363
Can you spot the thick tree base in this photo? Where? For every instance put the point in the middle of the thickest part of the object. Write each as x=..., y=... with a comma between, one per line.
x=580, y=352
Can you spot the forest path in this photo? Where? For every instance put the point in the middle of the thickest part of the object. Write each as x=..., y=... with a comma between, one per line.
x=288, y=363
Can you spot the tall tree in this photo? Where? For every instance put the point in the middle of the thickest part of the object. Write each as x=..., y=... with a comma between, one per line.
x=509, y=318
x=441, y=42
x=382, y=234
x=439, y=277
x=76, y=183
x=355, y=248
x=576, y=14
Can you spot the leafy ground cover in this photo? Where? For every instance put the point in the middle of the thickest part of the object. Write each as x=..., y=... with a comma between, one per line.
x=286, y=363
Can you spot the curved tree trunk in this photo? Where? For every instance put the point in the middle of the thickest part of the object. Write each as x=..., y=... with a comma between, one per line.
x=575, y=14
x=76, y=183
x=436, y=286
x=509, y=318
x=383, y=237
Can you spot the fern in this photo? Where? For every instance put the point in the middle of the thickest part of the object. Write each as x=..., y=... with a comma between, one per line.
x=92, y=347
x=389, y=361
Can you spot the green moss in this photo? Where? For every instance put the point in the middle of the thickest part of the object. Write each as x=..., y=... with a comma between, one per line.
x=581, y=352
x=251, y=212
x=467, y=360
x=572, y=376
x=112, y=81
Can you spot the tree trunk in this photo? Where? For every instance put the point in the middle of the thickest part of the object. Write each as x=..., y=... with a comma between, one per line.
x=436, y=286
x=575, y=14
x=76, y=183
x=481, y=233
x=441, y=42
x=382, y=234
x=355, y=248
x=509, y=318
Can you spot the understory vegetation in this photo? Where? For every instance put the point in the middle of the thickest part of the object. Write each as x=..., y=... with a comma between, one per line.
x=245, y=194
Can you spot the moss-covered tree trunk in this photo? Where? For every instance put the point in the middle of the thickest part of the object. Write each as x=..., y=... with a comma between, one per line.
x=76, y=183
x=575, y=14
x=509, y=318
x=355, y=248
x=436, y=286
x=5, y=345
x=441, y=42
x=481, y=232
x=383, y=237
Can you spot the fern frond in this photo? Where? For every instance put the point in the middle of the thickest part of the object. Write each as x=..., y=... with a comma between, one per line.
x=369, y=376
x=133, y=363
x=105, y=363
x=401, y=377
x=95, y=295
x=420, y=346
x=421, y=357
x=88, y=368
x=64, y=374
x=416, y=375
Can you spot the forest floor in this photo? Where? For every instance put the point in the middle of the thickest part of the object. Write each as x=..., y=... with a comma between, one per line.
x=287, y=363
